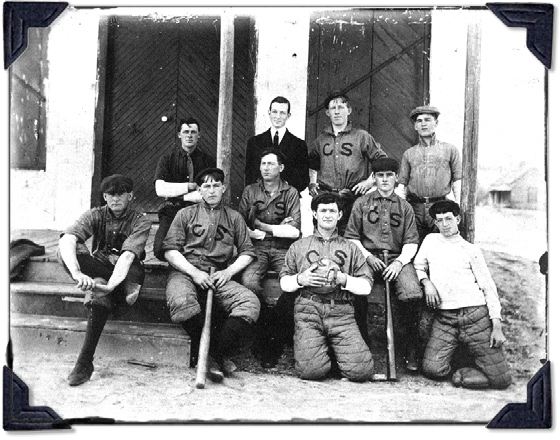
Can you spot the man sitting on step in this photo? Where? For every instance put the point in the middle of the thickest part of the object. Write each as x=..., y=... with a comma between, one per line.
x=113, y=273
x=271, y=209
x=205, y=236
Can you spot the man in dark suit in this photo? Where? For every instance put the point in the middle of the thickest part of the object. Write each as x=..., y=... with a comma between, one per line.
x=296, y=169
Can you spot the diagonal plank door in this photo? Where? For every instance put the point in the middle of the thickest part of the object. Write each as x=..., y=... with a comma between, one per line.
x=380, y=59
x=170, y=69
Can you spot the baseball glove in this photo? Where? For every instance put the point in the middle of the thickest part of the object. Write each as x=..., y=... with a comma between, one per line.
x=329, y=269
x=468, y=377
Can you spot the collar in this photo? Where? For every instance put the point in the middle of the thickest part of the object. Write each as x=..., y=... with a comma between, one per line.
x=281, y=133
x=210, y=208
x=283, y=186
x=329, y=129
x=377, y=195
x=318, y=235
x=182, y=152
x=423, y=143
x=112, y=214
x=453, y=239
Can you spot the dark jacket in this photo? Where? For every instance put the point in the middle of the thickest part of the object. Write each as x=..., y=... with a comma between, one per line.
x=296, y=168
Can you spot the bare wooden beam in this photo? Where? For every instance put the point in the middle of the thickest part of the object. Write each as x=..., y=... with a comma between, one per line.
x=225, y=100
x=470, y=132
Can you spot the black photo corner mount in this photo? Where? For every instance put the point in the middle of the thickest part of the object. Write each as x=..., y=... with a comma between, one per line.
x=18, y=17
x=18, y=415
x=536, y=413
x=537, y=18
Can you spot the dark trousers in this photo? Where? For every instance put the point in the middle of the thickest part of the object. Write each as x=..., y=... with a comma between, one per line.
x=166, y=216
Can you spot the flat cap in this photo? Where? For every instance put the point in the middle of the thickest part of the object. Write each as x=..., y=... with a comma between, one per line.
x=385, y=164
x=424, y=109
x=116, y=184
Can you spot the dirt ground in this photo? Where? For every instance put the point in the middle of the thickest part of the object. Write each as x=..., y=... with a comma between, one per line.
x=132, y=393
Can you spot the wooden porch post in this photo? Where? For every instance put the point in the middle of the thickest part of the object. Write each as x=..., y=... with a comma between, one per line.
x=470, y=136
x=225, y=100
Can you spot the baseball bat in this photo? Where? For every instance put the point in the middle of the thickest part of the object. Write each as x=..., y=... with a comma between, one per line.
x=391, y=363
x=204, y=348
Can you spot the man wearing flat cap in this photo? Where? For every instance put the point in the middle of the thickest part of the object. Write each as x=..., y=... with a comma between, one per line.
x=113, y=273
x=430, y=170
x=382, y=221
x=339, y=157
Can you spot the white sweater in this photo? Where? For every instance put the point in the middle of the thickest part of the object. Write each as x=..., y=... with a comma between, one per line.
x=459, y=272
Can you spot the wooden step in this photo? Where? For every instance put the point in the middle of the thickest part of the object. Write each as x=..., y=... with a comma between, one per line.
x=145, y=342
x=64, y=299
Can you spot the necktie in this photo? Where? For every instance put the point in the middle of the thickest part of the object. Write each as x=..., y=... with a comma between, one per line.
x=190, y=168
x=276, y=139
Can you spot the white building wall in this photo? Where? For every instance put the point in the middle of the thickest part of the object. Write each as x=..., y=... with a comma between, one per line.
x=512, y=92
x=281, y=69
x=50, y=199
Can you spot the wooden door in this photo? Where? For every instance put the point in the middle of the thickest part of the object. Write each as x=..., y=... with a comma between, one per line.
x=380, y=59
x=160, y=71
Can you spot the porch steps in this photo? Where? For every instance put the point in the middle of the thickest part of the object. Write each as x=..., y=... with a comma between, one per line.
x=143, y=342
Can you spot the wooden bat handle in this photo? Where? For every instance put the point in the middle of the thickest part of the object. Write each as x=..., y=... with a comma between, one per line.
x=392, y=365
x=204, y=348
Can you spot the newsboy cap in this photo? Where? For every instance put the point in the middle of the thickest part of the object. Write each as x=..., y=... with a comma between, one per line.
x=385, y=164
x=424, y=109
x=116, y=183
x=333, y=95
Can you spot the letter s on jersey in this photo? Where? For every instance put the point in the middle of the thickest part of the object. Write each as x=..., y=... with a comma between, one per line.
x=346, y=149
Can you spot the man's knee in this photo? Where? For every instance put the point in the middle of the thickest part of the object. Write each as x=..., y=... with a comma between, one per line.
x=246, y=305
x=407, y=285
x=435, y=369
x=252, y=281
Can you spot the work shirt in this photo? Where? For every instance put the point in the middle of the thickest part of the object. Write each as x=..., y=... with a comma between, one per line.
x=429, y=170
x=342, y=160
x=208, y=237
x=308, y=250
x=382, y=223
x=111, y=235
x=180, y=167
x=257, y=203
x=459, y=272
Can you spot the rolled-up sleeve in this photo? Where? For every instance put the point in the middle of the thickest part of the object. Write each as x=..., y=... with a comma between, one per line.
x=136, y=241
x=176, y=237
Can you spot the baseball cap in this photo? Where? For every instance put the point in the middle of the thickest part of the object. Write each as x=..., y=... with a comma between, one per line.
x=385, y=164
x=424, y=109
x=116, y=183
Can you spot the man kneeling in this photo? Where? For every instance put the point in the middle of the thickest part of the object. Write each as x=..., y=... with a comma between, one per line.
x=327, y=270
x=467, y=309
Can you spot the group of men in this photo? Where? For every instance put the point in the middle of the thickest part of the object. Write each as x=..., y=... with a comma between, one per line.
x=363, y=203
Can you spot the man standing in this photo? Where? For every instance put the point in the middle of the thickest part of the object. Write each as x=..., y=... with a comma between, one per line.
x=201, y=237
x=327, y=271
x=271, y=209
x=382, y=221
x=459, y=288
x=174, y=178
x=430, y=171
x=296, y=168
x=340, y=156
x=114, y=273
